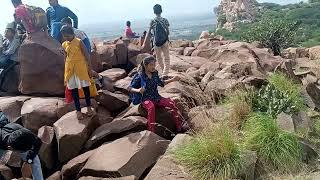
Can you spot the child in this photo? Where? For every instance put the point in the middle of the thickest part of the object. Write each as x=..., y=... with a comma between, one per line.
x=77, y=69
x=128, y=32
x=160, y=28
x=146, y=83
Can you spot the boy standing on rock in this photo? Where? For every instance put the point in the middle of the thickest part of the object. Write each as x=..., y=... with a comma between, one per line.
x=160, y=28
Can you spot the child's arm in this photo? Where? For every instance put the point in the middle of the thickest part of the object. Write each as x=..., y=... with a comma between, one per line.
x=133, y=90
x=136, y=82
x=87, y=56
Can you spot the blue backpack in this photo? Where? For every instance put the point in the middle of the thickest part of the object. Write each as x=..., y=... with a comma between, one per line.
x=161, y=35
x=136, y=98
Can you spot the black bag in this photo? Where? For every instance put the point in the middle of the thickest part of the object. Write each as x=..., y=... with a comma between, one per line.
x=161, y=34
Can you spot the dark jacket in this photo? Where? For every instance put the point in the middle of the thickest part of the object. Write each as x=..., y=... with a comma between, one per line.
x=56, y=13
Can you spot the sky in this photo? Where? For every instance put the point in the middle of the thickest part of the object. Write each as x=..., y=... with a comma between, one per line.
x=100, y=11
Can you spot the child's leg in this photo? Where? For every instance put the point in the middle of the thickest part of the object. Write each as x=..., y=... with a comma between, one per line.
x=149, y=106
x=86, y=91
x=170, y=104
x=76, y=99
x=166, y=54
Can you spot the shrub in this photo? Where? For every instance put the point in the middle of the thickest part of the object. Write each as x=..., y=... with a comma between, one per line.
x=276, y=149
x=212, y=154
x=280, y=95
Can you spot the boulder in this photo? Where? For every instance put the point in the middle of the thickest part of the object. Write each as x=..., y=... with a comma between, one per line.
x=178, y=51
x=130, y=155
x=11, y=106
x=166, y=167
x=301, y=121
x=177, y=63
x=293, y=53
x=55, y=176
x=71, y=132
x=123, y=84
x=41, y=73
x=138, y=59
x=107, y=84
x=104, y=115
x=205, y=35
x=97, y=178
x=71, y=170
x=121, y=52
x=38, y=112
x=221, y=86
x=5, y=172
x=181, y=43
x=188, y=51
x=249, y=160
x=210, y=66
x=107, y=54
x=114, y=74
x=11, y=81
x=207, y=78
x=47, y=152
x=205, y=53
x=133, y=50
x=314, y=53
x=113, y=101
x=96, y=62
x=207, y=44
x=115, y=130
x=313, y=93
x=285, y=122
x=64, y=108
x=11, y=159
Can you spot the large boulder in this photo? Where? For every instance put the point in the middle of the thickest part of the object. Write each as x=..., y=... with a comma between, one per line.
x=55, y=176
x=71, y=132
x=113, y=101
x=188, y=51
x=314, y=53
x=42, y=66
x=6, y=173
x=107, y=54
x=115, y=129
x=38, y=112
x=11, y=106
x=121, y=52
x=71, y=170
x=123, y=84
x=47, y=152
x=104, y=115
x=114, y=74
x=181, y=43
x=166, y=167
x=222, y=86
x=130, y=155
x=96, y=62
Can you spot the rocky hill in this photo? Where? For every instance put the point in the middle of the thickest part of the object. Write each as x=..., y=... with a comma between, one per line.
x=115, y=143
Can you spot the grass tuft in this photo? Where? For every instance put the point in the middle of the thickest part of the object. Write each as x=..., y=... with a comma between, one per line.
x=276, y=149
x=213, y=154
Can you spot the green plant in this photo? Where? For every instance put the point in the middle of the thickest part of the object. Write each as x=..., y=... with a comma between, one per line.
x=280, y=95
x=276, y=149
x=212, y=154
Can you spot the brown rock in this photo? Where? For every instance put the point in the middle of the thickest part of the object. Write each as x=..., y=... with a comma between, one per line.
x=45, y=68
x=107, y=54
x=5, y=172
x=96, y=62
x=313, y=91
x=71, y=131
x=11, y=106
x=121, y=53
x=138, y=59
x=64, y=108
x=285, y=122
x=104, y=115
x=130, y=155
x=181, y=43
x=221, y=86
x=205, y=35
x=207, y=44
x=55, y=176
x=207, y=78
x=47, y=152
x=123, y=84
x=133, y=50
x=38, y=112
x=188, y=51
x=314, y=53
x=210, y=66
x=11, y=158
x=113, y=101
x=114, y=74
x=178, y=51
x=166, y=167
x=107, y=84
x=115, y=129
x=71, y=170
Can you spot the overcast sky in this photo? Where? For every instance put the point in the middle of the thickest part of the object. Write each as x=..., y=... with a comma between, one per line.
x=96, y=11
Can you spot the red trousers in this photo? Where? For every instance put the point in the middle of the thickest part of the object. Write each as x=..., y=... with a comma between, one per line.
x=166, y=103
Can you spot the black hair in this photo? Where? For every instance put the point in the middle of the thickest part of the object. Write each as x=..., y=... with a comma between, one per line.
x=145, y=62
x=16, y=1
x=67, y=30
x=157, y=9
x=66, y=20
x=128, y=23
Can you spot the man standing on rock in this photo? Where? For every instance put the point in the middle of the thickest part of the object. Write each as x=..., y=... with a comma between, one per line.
x=55, y=13
x=160, y=28
x=16, y=138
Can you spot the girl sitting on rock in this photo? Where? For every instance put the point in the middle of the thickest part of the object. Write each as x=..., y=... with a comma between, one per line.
x=144, y=89
x=77, y=70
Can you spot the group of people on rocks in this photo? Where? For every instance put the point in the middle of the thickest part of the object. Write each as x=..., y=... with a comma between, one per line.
x=61, y=23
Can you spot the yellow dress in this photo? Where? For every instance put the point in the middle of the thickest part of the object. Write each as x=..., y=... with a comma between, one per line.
x=76, y=69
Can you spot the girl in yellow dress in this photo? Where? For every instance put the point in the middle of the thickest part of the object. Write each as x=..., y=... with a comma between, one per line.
x=77, y=71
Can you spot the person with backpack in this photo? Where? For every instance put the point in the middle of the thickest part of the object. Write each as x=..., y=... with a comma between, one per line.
x=32, y=18
x=160, y=28
x=55, y=13
x=144, y=91
x=16, y=138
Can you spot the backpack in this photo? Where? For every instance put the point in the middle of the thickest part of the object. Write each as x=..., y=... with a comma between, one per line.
x=136, y=98
x=38, y=16
x=161, y=35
